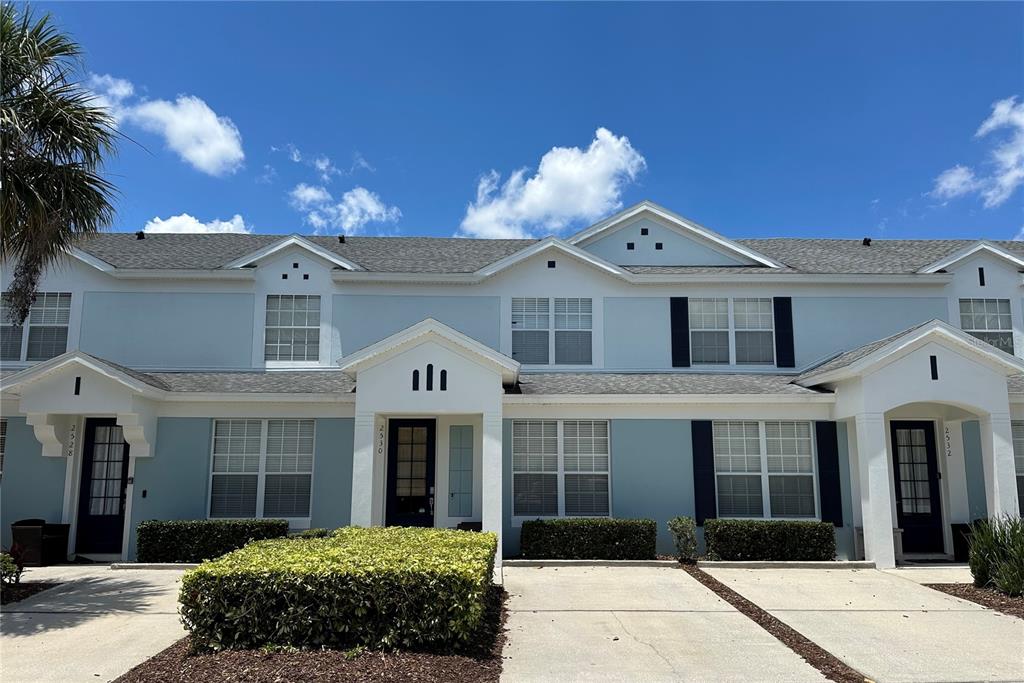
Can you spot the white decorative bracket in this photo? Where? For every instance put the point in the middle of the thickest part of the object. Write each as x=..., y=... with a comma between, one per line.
x=139, y=431
x=58, y=434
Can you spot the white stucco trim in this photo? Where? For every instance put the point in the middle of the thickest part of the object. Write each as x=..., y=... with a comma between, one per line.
x=16, y=382
x=678, y=223
x=438, y=332
x=553, y=244
x=665, y=399
x=935, y=331
x=970, y=250
x=89, y=259
x=292, y=240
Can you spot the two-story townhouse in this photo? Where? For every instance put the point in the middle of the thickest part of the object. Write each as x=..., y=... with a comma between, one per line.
x=644, y=367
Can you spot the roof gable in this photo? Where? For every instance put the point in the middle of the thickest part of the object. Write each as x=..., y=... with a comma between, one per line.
x=968, y=251
x=290, y=241
x=697, y=234
x=548, y=245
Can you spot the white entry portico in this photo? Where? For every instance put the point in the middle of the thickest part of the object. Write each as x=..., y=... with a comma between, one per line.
x=895, y=395
x=428, y=371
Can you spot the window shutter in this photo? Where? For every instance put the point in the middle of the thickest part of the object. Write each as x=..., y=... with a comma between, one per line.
x=828, y=473
x=679, y=310
x=784, y=355
x=703, y=471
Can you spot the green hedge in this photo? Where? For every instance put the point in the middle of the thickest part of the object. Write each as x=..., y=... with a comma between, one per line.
x=195, y=540
x=589, y=539
x=382, y=587
x=756, y=539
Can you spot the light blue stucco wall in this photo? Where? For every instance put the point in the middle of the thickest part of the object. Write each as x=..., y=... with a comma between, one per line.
x=652, y=472
x=824, y=326
x=363, y=319
x=845, y=545
x=637, y=333
x=977, y=505
x=678, y=250
x=174, y=483
x=32, y=485
x=332, y=473
x=169, y=329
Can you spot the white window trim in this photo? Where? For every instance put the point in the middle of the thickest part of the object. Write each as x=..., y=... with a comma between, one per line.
x=551, y=330
x=3, y=443
x=277, y=363
x=517, y=520
x=973, y=330
x=26, y=327
x=766, y=503
x=293, y=522
x=731, y=330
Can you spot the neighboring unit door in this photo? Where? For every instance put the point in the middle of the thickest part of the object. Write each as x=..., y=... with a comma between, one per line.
x=918, y=511
x=410, y=492
x=460, y=471
x=101, y=500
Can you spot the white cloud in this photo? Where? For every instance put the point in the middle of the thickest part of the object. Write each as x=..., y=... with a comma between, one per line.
x=208, y=142
x=1006, y=161
x=570, y=185
x=187, y=223
x=1020, y=235
x=350, y=214
x=268, y=176
x=325, y=168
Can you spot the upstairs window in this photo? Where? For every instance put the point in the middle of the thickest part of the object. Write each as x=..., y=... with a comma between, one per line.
x=293, y=328
x=989, y=320
x=46, y=333
x=764, y=469
x=732, y=332
x=3, y=443
x=262, y=468
x=532, y=324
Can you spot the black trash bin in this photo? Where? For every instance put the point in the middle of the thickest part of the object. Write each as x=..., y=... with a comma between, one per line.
x=38, y=543
x=961, y=542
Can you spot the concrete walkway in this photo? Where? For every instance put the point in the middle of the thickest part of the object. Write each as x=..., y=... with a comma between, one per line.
x=634, y=624
x=888, y=626
x=94, y=627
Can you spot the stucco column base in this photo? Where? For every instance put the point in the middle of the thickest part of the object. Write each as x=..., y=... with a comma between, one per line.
x=875, y=497
x=997, y=461
x=491, y=471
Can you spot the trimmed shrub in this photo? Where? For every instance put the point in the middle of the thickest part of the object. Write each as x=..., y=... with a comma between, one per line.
x=314, y=533
x=382, y=587
x=196, y=540
x=589, y=539
x=778, y=540
x=996, y=555
x=10, y=570
x=684, y=533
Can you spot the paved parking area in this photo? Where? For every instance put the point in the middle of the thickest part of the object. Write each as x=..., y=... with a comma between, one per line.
x=886, y=625
x=94, y=627
x=634, y=624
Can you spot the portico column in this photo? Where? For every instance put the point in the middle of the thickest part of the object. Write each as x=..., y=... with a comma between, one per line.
x=875, y=500
x=362, y=471
x=997, y=461
x=491, y=516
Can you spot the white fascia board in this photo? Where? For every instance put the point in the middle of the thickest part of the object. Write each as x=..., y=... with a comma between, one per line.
x=549, y=243
x=970, y=250
x=89, y=259
x=293, y=240
x=937, y=331
x=41, y=370
x=679, y=223
x=436, y=331
x=256, y=397
x=667, y=399
x=182, y=274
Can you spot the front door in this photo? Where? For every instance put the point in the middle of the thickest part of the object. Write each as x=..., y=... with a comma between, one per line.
x=918, y=511
x=410, y=493
x=101, y=499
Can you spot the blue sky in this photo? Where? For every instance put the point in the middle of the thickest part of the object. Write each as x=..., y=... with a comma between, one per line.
x=830, y=119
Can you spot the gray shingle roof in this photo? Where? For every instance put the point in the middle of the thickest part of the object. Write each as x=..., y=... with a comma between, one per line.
x=661, y=383
x=457, y=255
x=281, y=382
x=853, y=355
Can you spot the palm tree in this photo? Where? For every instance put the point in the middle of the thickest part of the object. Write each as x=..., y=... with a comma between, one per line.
x=52, y=141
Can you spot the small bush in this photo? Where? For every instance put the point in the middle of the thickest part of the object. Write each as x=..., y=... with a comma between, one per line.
x=10, y=570
x=684, y=533
x=755, y=539
x=382, y=587
x=589, y=539
x=315, y=533
x=196, y=540
x=997, y=554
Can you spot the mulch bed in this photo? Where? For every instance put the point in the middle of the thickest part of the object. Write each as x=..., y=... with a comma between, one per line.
x=481, y=662
x=986, y=597
x=828, y=664
x=20, y=591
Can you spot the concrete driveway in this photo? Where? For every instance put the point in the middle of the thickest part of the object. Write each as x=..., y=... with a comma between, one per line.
x=94, y=627
x=886, y=625
x=634, y=624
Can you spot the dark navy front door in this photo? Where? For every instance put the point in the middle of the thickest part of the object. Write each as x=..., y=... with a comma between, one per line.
x=411, y=454
x=101, y=499
x=918, y=511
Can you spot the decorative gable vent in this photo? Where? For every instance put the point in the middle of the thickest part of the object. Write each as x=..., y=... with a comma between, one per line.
x=442, y=379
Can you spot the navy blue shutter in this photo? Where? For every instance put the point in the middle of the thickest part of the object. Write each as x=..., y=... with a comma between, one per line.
x=828, y=472
x=703, y=471
x=679, y=311
x=784, y=355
